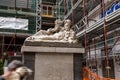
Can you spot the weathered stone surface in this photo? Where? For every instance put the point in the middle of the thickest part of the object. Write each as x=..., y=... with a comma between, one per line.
x=53, y=66
x=52, y=44
x=78, y=60
x=53, y=60
x=29, y=61
x=52, y=49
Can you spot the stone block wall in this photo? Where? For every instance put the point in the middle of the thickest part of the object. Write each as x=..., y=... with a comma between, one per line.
x=29, y=61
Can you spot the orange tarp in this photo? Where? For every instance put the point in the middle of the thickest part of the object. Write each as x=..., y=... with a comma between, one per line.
x=89, y=75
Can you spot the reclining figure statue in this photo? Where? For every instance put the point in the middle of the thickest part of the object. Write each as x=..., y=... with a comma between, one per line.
x=50, y=31
x=56, y=34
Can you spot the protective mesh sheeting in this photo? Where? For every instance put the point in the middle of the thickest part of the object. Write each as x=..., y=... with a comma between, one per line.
x=17, y=3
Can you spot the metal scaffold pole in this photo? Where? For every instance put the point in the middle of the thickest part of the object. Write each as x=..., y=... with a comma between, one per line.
x=38, y=14
x=96, y=60
x=89, y=56
x=72, y=12
x=85, y=36
x=105, y=39
x=64, y=7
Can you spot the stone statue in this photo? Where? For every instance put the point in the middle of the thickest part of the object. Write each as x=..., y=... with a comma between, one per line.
x=50, y=31
x=56, y=34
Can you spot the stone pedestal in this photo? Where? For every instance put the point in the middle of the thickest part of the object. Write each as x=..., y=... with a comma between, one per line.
x=53, y=61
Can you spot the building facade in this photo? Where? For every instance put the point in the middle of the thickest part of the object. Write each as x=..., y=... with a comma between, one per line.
x=20, y=19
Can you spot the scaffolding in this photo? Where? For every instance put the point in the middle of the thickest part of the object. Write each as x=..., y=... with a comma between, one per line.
x=38, y=14
x=12, y=39
x=102, y=34
x=27, y=9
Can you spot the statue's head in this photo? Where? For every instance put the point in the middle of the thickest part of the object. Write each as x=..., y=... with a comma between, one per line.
x=67, y=24
x=58, y=21
x=68, y=21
